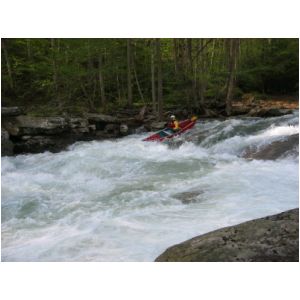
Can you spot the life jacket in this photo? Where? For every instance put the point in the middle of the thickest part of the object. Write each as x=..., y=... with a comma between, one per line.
x=174, y=124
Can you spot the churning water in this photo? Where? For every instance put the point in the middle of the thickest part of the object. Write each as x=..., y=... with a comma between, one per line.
x=122, y=200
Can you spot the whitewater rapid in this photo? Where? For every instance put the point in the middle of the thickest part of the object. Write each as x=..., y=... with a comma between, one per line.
x=118, y=200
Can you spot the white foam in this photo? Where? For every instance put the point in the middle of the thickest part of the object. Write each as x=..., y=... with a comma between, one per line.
x=114, y=200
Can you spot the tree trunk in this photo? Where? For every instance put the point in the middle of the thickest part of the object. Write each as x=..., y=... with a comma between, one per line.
x=189, y=72
x=159, y=80
x=153, y=90
x=232, y=54
x=175, y=52
x=8, y=66
x=54, y=67
x=195, y=77
x=201, y=71
x=137, y=82
x=118, y=88
x=101, y=83
x=212, y=54
x=28, y=45
x=129, y=84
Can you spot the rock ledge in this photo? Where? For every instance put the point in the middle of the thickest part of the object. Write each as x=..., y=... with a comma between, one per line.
x=274, y=238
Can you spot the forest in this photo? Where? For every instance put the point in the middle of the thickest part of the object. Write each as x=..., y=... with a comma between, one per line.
x=55, y=75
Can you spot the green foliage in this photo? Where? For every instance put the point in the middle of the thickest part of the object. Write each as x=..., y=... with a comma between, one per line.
x=51, y=75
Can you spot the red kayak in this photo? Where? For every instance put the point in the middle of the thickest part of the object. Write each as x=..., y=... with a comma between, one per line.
x=169, y=133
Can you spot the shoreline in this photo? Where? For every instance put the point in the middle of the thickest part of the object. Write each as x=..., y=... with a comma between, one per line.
x=24, y=134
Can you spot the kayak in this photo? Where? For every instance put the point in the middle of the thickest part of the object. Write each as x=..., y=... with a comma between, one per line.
x=168, y=133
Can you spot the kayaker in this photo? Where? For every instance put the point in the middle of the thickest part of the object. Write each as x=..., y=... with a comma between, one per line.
x=174, y=124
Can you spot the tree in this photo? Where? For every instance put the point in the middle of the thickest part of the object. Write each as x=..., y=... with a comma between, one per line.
x=8, y=65
x=101, y=81
x=233, y=46
x=153, y=89
x=81, y=75
x=129, y=84
x=159, y=80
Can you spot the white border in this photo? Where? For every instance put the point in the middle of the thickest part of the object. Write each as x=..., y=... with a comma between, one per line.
x=149, y=18
x=144, y=18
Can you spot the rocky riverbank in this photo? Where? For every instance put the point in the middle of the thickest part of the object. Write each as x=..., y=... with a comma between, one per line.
x=270, y=239
x=21, y=133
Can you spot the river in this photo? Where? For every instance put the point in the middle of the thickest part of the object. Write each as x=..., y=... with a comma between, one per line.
x=122, y=200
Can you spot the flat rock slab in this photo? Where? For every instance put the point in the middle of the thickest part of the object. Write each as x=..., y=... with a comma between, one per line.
x=274, y=238
x=102, y=118
x=11, y=111
x=26, y=125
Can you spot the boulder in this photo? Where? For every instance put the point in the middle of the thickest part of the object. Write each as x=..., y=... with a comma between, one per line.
x=268, y=112
x=288, y=146
x=78, y=123
x=270, y=239
x=7, y=146
x=11, y=111
x=10, y=126
x=101, y=118
x=188, y=197
x=92, y=128
x=240, y=110
x=112, y=129
x=52, y=143
x=26, y=125
x=36, y=144
x=124, y=130
x=209, y=113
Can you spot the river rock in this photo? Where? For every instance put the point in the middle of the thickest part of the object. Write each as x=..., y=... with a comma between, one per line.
x=11, y=111
x=270, y=239
x=26, y=125
x=52, y=143
x=268, y=112
x=112, y=129
x=7, y=146
x=288, y=146
x=124, y=129
x=240, y=110
x=188, y=197
x=36, y=144
x=78, y=122
x=101, y=118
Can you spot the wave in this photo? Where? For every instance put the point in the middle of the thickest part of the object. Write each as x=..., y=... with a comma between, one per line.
x=126, y=200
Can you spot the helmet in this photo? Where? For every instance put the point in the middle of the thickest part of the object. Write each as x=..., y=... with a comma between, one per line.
x=173, y=117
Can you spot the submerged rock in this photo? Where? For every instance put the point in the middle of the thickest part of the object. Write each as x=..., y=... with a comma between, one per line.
x=188, y=197
x=288, y=146
x=273, y=238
